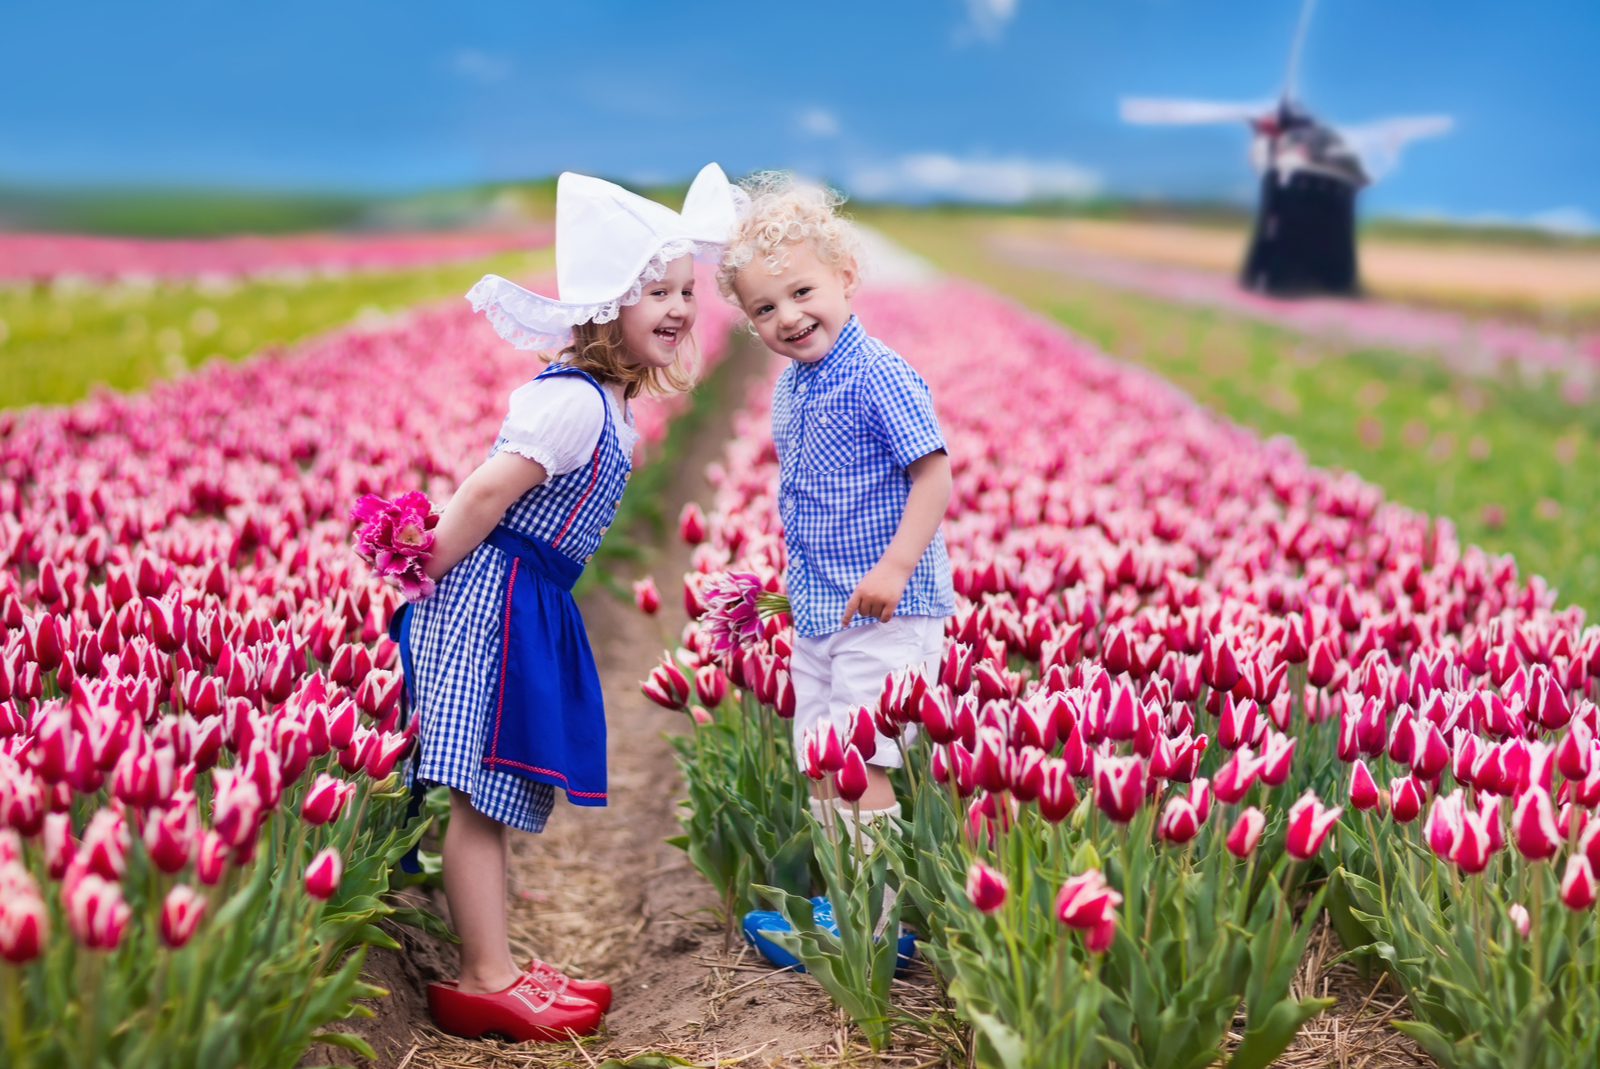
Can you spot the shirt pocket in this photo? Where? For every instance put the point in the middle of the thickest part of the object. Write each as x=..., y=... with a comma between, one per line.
x=832, y=430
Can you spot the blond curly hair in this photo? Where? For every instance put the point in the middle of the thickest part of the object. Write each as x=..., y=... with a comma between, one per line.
x=784, y=212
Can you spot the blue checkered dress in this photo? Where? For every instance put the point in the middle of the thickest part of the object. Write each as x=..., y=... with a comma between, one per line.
x=454, y=639
x=846, y=427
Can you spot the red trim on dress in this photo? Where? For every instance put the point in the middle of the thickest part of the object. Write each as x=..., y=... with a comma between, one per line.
x=594, y=477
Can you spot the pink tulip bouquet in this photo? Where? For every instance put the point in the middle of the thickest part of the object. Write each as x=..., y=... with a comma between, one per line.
x=396, y=538
x=1173, y=645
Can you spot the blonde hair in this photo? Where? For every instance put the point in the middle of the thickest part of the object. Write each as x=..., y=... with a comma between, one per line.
x=784, y=212
x=599, y=350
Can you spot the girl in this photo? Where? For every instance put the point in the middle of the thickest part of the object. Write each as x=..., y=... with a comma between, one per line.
x=497, y=660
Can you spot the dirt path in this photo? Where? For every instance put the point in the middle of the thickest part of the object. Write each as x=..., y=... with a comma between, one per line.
x=601, y=893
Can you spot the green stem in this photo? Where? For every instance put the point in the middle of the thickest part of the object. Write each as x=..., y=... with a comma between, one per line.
x=1538, y=928
x=16, y=1043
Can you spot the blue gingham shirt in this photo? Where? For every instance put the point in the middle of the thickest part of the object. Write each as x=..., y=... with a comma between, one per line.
x=846, y=427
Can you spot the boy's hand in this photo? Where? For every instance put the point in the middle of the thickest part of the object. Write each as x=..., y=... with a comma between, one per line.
x=877, y=594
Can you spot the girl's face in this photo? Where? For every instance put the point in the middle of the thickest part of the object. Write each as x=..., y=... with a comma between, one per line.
x=654, y=328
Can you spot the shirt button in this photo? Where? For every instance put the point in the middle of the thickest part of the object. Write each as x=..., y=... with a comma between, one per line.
x=604, y=529
x=589, y=558
x=823, y=421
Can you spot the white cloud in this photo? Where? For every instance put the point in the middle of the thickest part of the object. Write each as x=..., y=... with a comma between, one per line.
x=988, y=18
x=819, y=122
x=1568, y=220
x=1007, y=181
x=478, y=66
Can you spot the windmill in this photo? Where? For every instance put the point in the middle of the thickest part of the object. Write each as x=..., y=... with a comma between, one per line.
x=1303, y=240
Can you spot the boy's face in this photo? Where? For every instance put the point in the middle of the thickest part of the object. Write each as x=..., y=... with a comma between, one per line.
x=799, y=311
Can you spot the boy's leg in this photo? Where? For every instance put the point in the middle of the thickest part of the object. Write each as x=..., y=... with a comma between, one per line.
x=475, y=859
x=862, y=658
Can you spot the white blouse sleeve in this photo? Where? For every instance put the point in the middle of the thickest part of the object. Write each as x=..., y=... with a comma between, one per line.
x=555, y=421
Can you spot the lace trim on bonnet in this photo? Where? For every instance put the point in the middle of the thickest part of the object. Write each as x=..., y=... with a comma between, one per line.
x=529, y=321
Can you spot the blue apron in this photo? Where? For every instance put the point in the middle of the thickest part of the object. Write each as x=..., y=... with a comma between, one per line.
x=546, y=717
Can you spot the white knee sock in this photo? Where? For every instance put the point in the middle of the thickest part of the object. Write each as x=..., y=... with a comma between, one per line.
x=844, y=818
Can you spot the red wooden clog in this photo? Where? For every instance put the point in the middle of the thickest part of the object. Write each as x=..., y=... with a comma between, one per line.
x=527, y=1010
x=593, y=990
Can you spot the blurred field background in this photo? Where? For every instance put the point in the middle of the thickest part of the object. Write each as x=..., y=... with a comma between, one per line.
x=1515, y=465
x=1512, y=463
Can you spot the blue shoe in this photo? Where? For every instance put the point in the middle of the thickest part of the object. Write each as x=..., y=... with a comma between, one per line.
x=769, y=920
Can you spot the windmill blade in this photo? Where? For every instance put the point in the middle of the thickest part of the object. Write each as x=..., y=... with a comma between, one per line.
x=1379, y=143
x=1163, y=112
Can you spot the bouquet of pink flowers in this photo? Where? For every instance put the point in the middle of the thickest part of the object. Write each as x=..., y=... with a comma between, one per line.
x=396, y=538
x=736, y=604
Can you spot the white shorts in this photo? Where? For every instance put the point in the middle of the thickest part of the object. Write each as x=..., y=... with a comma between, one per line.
x=833, y=674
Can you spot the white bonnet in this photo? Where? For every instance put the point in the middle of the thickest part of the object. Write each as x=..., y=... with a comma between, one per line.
x=609, y=244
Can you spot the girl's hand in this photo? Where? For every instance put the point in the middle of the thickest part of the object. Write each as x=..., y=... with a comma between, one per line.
x=477, y=507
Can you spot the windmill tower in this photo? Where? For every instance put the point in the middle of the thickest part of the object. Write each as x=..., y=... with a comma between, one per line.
x=1303, y=240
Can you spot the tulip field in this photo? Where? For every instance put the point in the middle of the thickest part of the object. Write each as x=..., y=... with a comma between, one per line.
x=200, y=721
x=1495, y=446
x=1197, y=695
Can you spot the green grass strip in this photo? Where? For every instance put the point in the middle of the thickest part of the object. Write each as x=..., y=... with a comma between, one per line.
x=57, y=340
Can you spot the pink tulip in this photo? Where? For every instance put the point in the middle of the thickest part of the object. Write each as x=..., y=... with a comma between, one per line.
x=851, y=778
x=324, y=873
x=1026, y=773
x=1119, y=787
x=710, y=686
x=181, y=913
x=692, y=524
x=1474, y=841
x=1058, y=797
x=325, y=799
x=1443, y=827
x=862, y=732
x=667, y=685
x=1086, y=903
x=830, y=748
x=170, y=838
x=783, y=704
x=104, y=850
x=96, y=911
x=1533, y=825
x=385, y=752
x=986, y=888
x=235, y=807
x=1405, y=799
x=1246, y=832
x=24, y=917
x=1235, y=778
x=1429, y=754
x=1309, y=824
x=1519, y=918
x=701, y=717
x=1363, y=789
x=1277, y=760
x=211, y=857
x=1179, y=822
x=59, y=846
x=1577, y=884
x=992, y=760
x=646, y=597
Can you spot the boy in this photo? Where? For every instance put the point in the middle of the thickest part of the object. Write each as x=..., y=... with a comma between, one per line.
x=864, y=478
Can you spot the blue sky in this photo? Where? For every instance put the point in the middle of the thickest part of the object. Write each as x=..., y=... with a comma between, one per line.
x=911, y=99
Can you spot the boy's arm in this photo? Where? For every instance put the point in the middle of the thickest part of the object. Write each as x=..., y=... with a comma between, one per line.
x=477, y=507
x=879, y=590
